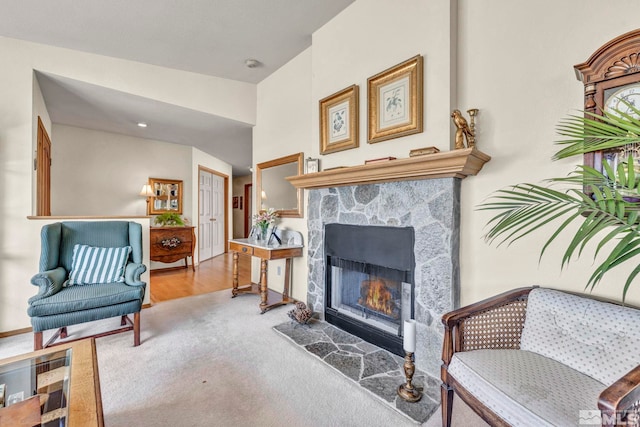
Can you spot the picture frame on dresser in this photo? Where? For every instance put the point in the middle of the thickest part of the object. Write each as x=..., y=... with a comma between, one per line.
x=395, y=98
x=339, y=121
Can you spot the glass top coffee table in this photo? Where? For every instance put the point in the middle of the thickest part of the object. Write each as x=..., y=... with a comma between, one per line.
x=58, y=386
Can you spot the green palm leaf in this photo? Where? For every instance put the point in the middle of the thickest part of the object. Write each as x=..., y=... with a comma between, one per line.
x=605, y=216
x=606, y=204
x=593, y=132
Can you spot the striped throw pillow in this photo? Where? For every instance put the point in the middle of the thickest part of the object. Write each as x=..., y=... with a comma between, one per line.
x=91, y=265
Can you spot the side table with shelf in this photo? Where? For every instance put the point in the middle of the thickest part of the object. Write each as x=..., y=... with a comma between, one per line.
x=266, y=252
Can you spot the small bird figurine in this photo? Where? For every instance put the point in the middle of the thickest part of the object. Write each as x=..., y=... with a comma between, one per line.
x=462, y=131
x=301, y=313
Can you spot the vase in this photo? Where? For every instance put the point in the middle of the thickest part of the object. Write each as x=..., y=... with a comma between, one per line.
x=263, y=233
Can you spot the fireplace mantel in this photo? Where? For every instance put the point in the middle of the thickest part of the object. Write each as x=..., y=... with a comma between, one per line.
x=449, y=164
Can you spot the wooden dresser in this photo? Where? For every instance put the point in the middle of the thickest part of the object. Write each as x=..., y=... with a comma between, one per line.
x=170, y=244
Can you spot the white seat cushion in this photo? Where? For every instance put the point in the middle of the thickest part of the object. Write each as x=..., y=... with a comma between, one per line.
x=596, y=338
x=525, y=388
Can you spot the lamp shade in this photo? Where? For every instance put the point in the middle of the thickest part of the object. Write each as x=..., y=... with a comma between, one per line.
x=146, y=191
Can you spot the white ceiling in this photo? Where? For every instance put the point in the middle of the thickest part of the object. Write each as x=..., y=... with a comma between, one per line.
x=212, y=37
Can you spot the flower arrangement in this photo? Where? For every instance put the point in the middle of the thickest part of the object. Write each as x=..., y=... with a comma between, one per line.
x=264, y=219
x=169, y=219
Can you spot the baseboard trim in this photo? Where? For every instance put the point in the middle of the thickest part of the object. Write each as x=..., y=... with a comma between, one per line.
x=15, y=332
x=26, y=330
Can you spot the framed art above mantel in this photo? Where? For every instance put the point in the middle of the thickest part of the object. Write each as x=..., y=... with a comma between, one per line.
x=339, y=121
x=395, y=101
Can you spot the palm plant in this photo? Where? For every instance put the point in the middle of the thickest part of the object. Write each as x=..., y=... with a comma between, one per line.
x=605, y=203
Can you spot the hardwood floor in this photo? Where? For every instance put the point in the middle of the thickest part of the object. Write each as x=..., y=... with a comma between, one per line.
x=211, y=275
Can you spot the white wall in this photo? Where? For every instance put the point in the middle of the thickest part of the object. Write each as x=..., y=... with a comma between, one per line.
x=369, y=37
x=366, y=38
x=19, y=237
x=101, y=173
x=516, y=63
x=283, y=127
x=511, y=59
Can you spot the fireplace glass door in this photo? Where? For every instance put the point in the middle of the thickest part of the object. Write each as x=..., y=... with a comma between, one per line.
x=370, y=294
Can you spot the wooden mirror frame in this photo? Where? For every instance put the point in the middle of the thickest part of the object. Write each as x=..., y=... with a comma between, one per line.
x=294, y=158
x=153, y=182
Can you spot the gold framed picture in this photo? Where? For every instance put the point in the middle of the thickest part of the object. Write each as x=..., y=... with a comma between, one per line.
x=395, y=101
x=312, y=165
x=339, y=121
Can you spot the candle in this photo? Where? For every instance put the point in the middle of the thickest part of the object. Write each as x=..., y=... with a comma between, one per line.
x=409, y=342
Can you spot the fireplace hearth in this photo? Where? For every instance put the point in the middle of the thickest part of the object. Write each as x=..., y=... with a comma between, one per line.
x=369, y=281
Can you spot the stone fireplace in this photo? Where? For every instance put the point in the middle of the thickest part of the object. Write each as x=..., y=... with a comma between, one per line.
x=421, y=194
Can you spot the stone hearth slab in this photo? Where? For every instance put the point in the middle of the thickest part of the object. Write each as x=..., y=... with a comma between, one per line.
x=374, y=369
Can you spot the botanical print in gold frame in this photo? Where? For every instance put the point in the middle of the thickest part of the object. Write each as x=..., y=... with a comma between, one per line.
x=395, y=101
x=339, y=121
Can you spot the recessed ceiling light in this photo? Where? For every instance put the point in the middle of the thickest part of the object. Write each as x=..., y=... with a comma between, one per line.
x=142, y=124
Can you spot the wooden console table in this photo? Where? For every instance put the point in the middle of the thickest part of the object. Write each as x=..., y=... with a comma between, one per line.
x=170, y=244
x=66, y=379
x=265, y=253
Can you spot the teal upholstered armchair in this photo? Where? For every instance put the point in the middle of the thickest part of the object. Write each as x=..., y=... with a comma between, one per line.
x=88, y=271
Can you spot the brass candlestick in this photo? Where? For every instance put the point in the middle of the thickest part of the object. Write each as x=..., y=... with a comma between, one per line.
x=407, y=391
x=473, y=112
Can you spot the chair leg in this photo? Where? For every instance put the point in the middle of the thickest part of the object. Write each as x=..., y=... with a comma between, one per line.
x=136, y=329
x=63, y=332
x=446, y=397
x=123, y=320
x=37, y=341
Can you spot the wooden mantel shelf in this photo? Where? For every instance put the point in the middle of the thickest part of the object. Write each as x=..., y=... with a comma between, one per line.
x=449, y=164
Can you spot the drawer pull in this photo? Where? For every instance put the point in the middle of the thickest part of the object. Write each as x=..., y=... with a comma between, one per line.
x=244, y=249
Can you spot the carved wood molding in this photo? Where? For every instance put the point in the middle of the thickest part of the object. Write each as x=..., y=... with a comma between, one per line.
x=615, y=58
x=449, y=164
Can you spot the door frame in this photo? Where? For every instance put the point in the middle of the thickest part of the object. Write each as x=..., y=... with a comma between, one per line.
x=43, y=171
x=226, y=204
x=248, y=200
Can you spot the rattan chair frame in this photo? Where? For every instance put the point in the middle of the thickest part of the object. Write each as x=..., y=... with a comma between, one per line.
x=497, y=323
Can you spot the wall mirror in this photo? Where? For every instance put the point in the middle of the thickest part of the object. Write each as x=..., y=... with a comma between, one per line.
x=167, y=196
x=274, y=191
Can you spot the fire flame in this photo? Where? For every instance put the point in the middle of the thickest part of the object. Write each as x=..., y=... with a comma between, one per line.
x=379, y=297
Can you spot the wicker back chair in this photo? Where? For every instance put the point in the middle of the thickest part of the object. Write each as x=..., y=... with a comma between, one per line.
x=497, y=323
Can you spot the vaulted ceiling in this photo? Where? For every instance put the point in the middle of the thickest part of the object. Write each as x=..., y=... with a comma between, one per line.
x=212, y=37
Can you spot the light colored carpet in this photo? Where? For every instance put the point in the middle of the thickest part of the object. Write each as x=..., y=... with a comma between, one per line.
x=210, y=360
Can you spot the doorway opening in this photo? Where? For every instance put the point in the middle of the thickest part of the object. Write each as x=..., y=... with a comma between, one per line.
x=213, y=206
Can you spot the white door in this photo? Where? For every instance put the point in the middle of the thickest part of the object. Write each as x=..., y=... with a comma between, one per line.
x=217, y=213
x=211, y=215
